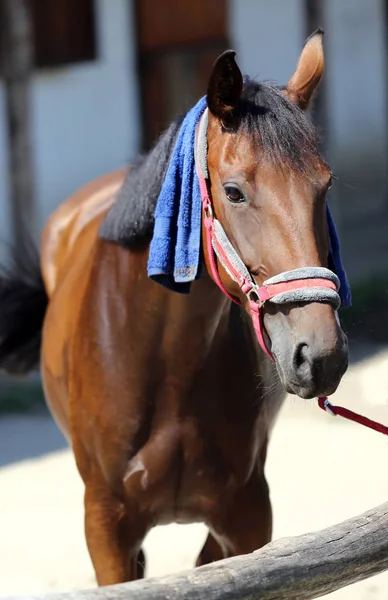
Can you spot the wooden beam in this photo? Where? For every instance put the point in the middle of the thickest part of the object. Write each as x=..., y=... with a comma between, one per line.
x=299, y=568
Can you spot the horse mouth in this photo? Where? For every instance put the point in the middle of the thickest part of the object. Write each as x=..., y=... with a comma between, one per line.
x=315, y=384
x=310, y=392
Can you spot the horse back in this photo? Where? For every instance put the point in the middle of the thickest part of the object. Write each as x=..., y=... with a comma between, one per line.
x=69, y=241
x=72, y=228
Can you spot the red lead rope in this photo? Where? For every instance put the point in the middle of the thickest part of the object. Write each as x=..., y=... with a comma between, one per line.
x=351, y=416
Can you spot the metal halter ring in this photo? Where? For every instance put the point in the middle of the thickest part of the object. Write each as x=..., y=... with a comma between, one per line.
x=208, y=210
x=253, y=296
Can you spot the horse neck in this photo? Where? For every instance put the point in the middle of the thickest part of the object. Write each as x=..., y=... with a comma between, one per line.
x=197, y=322
x=177, y=344
x=186, y=324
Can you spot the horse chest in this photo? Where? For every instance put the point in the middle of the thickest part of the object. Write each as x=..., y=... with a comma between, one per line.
x=192, y=458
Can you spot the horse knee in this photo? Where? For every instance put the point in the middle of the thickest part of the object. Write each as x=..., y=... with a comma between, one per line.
x=113, y=536
x=246, y=524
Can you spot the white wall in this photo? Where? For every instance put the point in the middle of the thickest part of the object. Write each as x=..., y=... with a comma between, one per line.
x=267, y=36
x=356, y=76
x=85, y=117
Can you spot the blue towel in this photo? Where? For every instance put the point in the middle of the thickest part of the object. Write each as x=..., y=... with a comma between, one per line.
x=175, y=250
x=174, y=256
x=335, y=262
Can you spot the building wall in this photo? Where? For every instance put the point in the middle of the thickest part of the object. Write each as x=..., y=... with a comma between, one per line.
x=356, y=83
x=85, y=117
x=356, y=76
x=267, y=36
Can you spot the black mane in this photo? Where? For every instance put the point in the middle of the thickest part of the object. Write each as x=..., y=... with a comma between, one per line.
x=130, y=221
x=281, y=129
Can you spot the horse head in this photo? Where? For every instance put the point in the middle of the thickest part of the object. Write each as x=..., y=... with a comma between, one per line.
x=268, y=185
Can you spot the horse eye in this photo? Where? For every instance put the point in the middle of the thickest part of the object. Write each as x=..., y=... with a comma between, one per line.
x=234, y=195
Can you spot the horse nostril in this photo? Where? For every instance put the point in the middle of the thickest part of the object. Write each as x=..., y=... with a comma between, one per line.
x=300, y=355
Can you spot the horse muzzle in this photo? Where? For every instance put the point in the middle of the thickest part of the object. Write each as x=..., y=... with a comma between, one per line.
x=310, y=349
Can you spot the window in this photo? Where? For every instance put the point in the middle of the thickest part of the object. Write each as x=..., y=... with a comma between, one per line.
x=178, y=41
x=64, y=31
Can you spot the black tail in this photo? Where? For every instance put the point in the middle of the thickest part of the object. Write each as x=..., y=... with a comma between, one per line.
x=23, y=303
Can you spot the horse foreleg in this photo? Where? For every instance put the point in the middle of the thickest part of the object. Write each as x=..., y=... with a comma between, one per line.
x=243, y=524
x=114, y=536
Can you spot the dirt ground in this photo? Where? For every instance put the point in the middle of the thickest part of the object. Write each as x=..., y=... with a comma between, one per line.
x=321, y=470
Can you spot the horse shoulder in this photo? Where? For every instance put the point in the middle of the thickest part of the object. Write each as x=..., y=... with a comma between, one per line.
x=74, y=225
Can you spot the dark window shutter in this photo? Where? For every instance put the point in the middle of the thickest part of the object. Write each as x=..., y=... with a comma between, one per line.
x=64, y=31
x=177, y=43
x=167, y=24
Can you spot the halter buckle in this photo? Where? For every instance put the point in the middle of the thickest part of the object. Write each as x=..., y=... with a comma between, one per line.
x=208, y=210
x=254, y=296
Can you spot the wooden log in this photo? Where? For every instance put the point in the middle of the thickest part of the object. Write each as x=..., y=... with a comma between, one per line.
x=299, y=568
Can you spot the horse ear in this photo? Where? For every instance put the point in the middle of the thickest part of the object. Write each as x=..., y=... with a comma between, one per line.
x=225, y=87
x=309, y=71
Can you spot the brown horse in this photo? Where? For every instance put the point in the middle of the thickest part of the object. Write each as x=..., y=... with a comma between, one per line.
x=167, y=399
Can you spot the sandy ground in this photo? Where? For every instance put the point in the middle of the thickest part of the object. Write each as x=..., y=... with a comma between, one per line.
x=321, y=470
